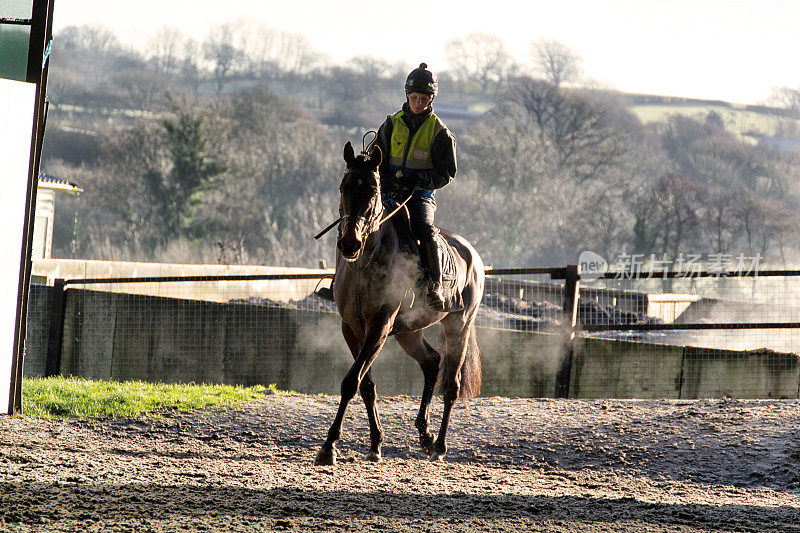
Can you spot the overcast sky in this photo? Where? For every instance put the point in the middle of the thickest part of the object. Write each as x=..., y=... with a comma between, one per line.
x=734, y=50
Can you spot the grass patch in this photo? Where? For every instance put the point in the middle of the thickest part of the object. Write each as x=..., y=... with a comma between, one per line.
x=273, y=389
x=76, y=398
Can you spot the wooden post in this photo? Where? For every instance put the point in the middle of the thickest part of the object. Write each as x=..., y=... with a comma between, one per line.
x=568, y=322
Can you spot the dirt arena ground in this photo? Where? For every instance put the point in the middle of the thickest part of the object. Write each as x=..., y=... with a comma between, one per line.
x=514, y=465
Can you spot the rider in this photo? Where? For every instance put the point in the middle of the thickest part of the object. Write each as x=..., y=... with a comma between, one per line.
x=419, y=157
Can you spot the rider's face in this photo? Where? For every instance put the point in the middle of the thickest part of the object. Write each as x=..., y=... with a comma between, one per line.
x=419, y=102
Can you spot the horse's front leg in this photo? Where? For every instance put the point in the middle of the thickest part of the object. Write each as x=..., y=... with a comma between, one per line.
x=369, y=396
x=377, y=331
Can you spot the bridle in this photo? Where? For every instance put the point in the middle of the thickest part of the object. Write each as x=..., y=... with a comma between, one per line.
x=375, y=212
x=371, y=218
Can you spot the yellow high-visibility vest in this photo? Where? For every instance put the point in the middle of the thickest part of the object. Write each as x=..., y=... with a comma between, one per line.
x=416, y=154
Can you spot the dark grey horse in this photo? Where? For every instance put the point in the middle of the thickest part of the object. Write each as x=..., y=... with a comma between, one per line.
x=375, y=284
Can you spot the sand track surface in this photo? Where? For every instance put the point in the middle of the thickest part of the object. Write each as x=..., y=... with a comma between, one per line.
x=513, y=465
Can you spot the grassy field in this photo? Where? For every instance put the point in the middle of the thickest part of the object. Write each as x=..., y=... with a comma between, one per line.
x=737, y=120
x=77, y=398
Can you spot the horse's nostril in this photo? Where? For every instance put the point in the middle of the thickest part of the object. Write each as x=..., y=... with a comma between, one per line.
x=349, y=248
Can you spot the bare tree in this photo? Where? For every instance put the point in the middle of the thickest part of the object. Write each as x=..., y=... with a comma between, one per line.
x=349, y=89
x=141, y=91
x=294, y=54
x=478, y=56
x=94, y=47
x=257, y=45
x=372, y=67
x=164, y=46
x=556, y=62
x=676, y=203
x=764, y=221
x=785, y=98
x=93, y=37
x=575, y=127
x=717, y=218
x=190, y=64
x=220, y=50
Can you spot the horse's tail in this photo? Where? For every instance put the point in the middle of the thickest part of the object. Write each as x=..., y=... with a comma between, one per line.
x=471, y=369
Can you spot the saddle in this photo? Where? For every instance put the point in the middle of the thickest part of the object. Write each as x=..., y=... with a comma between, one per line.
x=447, y=260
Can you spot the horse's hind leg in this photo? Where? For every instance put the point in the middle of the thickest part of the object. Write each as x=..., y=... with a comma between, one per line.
x=428, y=358
x=456, y=339
x=367, y=390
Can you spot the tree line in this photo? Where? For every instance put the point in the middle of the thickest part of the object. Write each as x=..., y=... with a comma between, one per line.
x=229, y=151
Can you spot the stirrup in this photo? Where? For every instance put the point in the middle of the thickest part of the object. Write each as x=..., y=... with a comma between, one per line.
x=435, y=297
x=326, y=293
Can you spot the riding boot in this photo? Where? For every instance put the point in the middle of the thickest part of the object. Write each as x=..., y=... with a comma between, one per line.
x=431, y=255
x=326, y=293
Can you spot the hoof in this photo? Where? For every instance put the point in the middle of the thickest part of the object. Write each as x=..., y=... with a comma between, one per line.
x=427, y=444
x=374, y=457
x=437, y=457
x=325, y=458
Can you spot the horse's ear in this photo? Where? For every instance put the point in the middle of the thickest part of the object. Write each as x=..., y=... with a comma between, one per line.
x=349, y=154
x=376, y=155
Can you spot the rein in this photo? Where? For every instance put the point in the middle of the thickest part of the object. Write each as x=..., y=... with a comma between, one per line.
x=330, y=227
x=364, y=146
x=376, y=228
x=384, y=219
x=372, y=225
x=398, y=208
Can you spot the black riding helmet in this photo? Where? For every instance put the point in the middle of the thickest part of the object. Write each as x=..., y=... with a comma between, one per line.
x=423, y=81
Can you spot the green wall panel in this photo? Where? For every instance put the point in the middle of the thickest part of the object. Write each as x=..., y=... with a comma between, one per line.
x=14, y=43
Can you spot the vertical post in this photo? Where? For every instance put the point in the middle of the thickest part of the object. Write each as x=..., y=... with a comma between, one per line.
x=40, y=35
x=55, y=335
x=568, y=322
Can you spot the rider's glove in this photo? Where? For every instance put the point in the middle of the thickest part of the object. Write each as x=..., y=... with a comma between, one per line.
x=407, y=179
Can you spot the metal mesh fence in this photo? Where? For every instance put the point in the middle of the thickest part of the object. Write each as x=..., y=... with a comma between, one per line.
x=634, y=337
x=521, y=302
x=37, y=330
x=733, y=313
x=700, y=334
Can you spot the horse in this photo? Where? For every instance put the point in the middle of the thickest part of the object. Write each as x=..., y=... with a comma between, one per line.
x=376, y=280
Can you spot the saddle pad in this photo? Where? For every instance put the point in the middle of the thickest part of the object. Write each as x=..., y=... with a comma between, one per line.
x=447, y=259
x=452, y=295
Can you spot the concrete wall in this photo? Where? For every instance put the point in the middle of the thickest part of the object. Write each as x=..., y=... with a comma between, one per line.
x=710, y=373
x=136, y=337
x=603, y=368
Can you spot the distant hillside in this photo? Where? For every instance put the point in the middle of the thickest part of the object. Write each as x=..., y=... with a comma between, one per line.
x=757, y=124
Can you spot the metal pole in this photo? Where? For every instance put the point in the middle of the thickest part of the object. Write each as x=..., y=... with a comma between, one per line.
x=41, y=31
